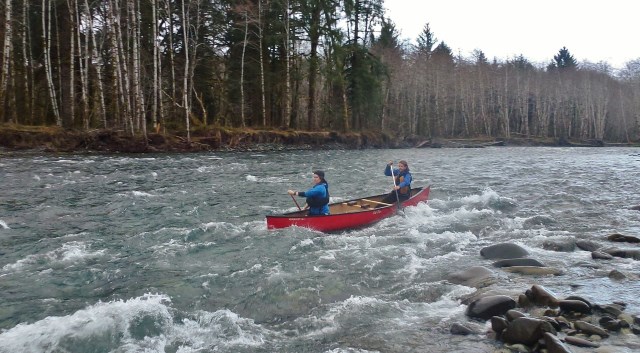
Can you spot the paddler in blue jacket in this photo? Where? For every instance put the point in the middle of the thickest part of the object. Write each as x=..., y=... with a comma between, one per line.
x=402, y=182
x=317, y=196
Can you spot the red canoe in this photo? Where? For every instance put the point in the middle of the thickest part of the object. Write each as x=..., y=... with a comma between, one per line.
x=346, y=215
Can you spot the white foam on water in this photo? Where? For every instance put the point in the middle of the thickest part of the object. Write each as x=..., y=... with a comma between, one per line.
x=389, y=313
x=350, y=350
x=94, y=322
x=303, y=244
x=69, y=253
x=211, y=331
x=417, y=265
x=269, y=179
x=142, y=324
x=4, y=225
x=256, y=268
x=224, y=227
x=141, y=194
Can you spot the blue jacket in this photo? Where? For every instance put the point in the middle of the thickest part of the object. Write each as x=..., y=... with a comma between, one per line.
x=402, y=180
x=318, y=191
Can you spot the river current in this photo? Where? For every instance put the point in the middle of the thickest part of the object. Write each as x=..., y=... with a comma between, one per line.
x=170, y=253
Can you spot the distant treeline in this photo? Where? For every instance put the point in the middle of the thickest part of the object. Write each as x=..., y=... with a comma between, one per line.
x=183, y=65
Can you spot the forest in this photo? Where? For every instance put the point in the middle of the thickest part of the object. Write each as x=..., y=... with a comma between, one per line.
x=143, y=66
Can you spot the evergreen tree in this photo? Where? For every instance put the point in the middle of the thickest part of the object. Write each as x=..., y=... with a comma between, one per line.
x=426, y=40
x=480, y=57
x=443, y=54
x=521, y=63
x=563, y=60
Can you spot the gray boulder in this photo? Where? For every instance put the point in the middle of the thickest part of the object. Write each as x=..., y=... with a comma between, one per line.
x=476, y=276
x=554, y=345
x=504, y=251
x=486, y=307
x=518, y=262
x=526, y=330
x=587, y=245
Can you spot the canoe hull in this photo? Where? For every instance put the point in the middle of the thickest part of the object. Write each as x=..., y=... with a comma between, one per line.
x=346, y=215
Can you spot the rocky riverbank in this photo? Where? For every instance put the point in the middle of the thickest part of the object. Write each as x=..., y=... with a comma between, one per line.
x=536, y=320
x=57, y=140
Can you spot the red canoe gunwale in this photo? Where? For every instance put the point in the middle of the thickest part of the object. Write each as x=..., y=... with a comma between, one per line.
x=346, y=215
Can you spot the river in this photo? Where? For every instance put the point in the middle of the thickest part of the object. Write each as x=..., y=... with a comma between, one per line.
x=170, y=253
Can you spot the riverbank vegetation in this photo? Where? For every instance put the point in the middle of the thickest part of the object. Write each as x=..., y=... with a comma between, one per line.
x=163, y=70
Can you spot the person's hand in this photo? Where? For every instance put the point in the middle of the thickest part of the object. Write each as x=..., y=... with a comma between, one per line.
x=390, y=163
x=396, y=187
x=291, y=192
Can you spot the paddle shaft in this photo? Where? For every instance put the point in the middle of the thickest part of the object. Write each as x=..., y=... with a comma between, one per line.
x=394, y=185
x=296, y=202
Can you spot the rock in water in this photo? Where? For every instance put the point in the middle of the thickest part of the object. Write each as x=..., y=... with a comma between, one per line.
x=504, y=251
x=526, y=330
x=623, y=238
x=587, y=245
x=554, y=345
x=576, y=306
x=590, y=328
x=459, y=329
x=495, y=305
x=580, y=342
x=518, y=262
x=533, y=270
x=540, y=296
x=600, y=255
x=476, y=276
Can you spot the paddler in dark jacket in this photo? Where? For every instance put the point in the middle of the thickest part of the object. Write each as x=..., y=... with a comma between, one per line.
x=402, y=182
x=317, y=196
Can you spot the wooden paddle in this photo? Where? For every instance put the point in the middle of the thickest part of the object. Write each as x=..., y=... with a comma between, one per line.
x=296, y=202
x=394, y=184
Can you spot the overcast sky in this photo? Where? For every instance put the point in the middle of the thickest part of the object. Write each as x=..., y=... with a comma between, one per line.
x=591, y=30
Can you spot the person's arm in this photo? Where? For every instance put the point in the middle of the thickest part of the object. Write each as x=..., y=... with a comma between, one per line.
x=406, y=181
x=387, y=169
x=313, y=192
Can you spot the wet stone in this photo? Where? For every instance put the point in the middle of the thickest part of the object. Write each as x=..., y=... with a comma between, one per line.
x=518, y=262
x=616, y=237
x=577, y=297
x=588, y=245
x=577, y=306
x=486, y=307
x=504, y=251
x=459, y=329
x=599, y=255
x=566, y=245
x=540, y=296
x=554, y=344
x=580, y=342
x=590, y=329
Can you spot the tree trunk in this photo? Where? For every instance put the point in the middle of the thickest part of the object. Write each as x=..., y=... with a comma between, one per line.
x=314, y=37
x=6, y=57
x=27, y=58
x=46, y=38
x=287, y=92
x=71, y=101
x=83, y=54
x=262, y=90
x=154, y=89
x=172, y=59
x=244, y=49
x=185, y=83
x=97, y=60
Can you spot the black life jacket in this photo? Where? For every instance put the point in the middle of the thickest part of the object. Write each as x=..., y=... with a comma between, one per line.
x=319, y=201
